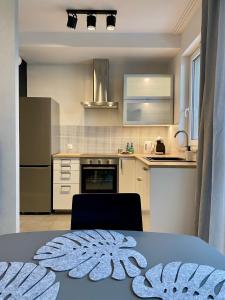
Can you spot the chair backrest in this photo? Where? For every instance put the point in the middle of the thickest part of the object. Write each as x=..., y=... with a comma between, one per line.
x=107, y=211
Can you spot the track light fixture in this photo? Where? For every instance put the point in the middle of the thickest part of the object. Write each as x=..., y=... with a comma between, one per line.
x=110, y=22
x=91, y=22
x=91, y=18
x=72, y=21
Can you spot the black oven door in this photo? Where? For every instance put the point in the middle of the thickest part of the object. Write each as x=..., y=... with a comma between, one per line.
x=99, y=179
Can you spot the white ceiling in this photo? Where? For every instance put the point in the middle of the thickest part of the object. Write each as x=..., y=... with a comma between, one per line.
x=47, y=18
x=134, y=16
x=67, y=55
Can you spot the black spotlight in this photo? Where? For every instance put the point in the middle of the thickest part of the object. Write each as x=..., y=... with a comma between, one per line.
x=110, y=22
x=72, y=21
x=91, y=22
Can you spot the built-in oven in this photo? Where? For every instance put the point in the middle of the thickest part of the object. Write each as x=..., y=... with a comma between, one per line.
x=99, y=175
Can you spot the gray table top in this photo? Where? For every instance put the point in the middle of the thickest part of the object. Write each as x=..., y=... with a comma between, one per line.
x=156, y=247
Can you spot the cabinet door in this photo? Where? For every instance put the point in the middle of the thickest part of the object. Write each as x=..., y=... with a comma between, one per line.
x=142, y=184
x=127, y=175
x=148, y=86
x=35, y=190
x=35, y=131
x=173, y=203
x=150, y=112
x=63, y=195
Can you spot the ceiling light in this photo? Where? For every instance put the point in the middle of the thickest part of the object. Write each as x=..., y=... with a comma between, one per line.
x=91, y=17
x=110, y=22
x=91, y=22
x=72, y=21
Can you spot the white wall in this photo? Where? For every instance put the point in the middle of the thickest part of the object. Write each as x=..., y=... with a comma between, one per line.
x=72, y=84
x=180, y=67
x=192, y=30
x=9, y=124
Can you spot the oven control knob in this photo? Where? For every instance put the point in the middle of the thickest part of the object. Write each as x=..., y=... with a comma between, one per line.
x=99, y=161
x=108, y=162
x=90, y=161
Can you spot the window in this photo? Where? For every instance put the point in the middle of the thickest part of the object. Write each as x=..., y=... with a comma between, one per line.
x=194, y=96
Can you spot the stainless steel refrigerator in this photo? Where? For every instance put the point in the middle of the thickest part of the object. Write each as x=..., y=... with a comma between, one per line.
x=39, y=139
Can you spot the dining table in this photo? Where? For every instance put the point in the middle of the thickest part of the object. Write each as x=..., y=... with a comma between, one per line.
x=155, y=247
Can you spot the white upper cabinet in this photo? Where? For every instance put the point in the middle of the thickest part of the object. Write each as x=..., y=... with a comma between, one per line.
x=148, y=99
x=147, y=112
x=148, y=86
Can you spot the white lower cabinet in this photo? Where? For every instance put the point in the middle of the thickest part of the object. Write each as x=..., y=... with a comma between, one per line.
x=63, y=195
x=167, y=194
x=142, y=174
x=127, y=175
x=173, y=204
x=134, y=178
x=66, y=182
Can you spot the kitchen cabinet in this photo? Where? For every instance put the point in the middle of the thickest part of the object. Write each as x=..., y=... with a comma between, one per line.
x=127, y=175
x=172, y=200
x=148, y=99
x=148, y=86
x=134, y=178
x=148, y=112
x=142, y=183
x=66, y=182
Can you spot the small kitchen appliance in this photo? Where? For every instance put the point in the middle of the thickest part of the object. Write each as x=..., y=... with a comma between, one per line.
x=160, y=147
x=148, y=147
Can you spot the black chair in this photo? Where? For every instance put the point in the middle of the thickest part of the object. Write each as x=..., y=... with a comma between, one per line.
x=107, y=211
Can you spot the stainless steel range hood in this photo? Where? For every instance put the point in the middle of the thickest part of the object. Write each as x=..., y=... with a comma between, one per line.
x=100, y=86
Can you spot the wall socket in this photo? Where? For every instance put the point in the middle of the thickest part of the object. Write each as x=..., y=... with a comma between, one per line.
x=69, y=146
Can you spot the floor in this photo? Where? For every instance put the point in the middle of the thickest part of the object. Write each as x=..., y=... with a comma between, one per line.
x=57, y=222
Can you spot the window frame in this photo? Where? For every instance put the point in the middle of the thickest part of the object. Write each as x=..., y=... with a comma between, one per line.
x=192, y=58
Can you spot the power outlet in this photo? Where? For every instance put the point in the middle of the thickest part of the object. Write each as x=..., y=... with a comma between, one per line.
x=69, y=146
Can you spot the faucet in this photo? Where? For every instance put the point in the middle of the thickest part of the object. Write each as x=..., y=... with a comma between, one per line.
x=183, y=131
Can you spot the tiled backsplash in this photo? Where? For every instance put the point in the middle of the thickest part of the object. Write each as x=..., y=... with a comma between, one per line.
x=107, y=139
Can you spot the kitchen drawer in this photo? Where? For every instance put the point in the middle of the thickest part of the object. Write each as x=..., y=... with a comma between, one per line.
x=71, y=164
x=63, y=195
x=66, y=176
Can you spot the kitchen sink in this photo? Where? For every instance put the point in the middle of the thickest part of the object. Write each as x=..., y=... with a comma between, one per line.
x=163, y=158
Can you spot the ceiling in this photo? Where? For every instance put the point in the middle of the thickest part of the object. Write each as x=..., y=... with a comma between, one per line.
x=137, y=21
x=68, y=55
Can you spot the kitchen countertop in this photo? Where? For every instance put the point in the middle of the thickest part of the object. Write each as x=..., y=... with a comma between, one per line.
x=141, y=157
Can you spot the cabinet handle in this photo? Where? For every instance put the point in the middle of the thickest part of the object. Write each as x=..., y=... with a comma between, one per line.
x=65, y=168
x=145, y=168
x=65, y=162
x=139, y=179
x=65, y=172
x=121, y=164
x=65, y=175
x=65, y=188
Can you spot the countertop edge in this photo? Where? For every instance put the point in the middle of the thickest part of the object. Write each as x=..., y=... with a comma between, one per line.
x=140, y=157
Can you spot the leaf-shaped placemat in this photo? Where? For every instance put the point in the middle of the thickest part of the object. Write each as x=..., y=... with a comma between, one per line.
x=179, y=281
x=98, y=253
x=27, y=281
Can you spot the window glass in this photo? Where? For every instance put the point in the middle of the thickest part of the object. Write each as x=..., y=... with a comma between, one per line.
x=195, y=93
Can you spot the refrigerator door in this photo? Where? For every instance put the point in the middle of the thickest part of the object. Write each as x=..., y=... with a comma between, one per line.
x=55, y=130
x=35, y=189
x=35, y=131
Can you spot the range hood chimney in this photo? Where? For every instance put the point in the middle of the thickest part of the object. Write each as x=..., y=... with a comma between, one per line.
x=100, y=86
